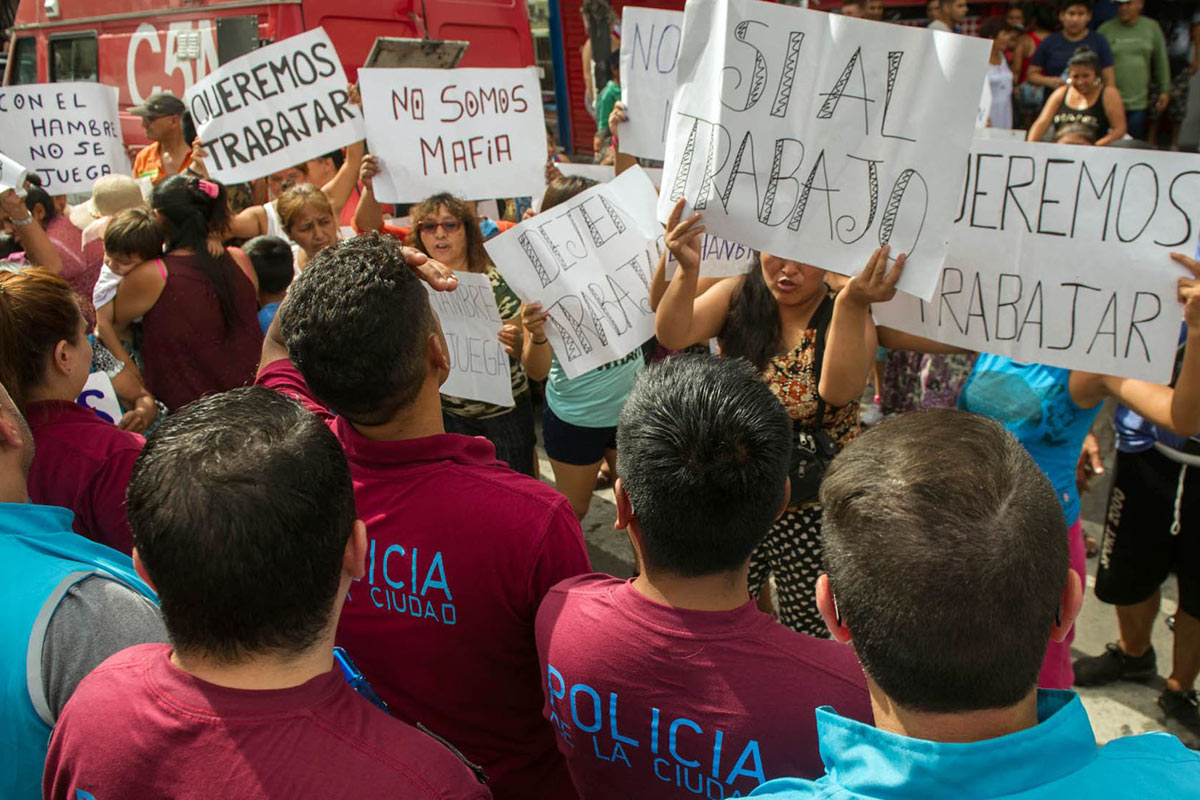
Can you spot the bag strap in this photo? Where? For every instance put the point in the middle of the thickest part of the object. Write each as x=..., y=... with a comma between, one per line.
x=821, y=319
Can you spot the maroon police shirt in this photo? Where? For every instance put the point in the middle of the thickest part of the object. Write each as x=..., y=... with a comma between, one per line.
x=461, y=551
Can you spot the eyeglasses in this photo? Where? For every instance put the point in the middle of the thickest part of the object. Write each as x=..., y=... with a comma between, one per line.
x=451, y=226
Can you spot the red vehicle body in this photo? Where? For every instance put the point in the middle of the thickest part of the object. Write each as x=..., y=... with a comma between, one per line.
x=146, y=46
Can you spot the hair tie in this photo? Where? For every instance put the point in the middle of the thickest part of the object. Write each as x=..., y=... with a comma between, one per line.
x=209, y=188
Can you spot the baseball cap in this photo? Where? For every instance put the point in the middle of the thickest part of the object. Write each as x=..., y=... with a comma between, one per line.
x=163, y=104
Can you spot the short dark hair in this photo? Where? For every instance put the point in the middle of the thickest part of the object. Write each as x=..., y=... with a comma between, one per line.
x=134, y=231
x=947, y=554
x=702, y=451
x=241, y=505
x=272, y=260
x=37, y=196
x=355, y=323
x=563, y=189
x=1087, y=4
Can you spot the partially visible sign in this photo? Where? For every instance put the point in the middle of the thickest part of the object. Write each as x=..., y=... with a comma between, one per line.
x=98, y=395
x=650, y=39
x=68, y=133
x=471, y=323
x=12, y=175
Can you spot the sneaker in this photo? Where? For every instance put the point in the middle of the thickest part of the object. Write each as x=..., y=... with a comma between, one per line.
x=1114, y=665
x=1183, y=707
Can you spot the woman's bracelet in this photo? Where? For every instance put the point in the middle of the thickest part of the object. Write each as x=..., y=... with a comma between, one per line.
x=543, y=340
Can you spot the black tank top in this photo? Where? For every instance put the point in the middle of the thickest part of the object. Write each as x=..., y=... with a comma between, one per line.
x=1092, y=117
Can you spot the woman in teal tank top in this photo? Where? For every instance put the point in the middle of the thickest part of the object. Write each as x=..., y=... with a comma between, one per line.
x=1050, y=411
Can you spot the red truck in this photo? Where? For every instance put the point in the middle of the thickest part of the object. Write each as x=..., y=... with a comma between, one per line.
x=146, y=46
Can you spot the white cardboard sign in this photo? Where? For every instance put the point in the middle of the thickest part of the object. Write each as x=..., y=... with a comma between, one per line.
x=589, y=262
x=820, y=137
x=68, y=133
x=274, y=107
x=471, y=321
x=1060, y=255
x=12, y=175
x=98, y=395
x=476, y=133
x=650, y=39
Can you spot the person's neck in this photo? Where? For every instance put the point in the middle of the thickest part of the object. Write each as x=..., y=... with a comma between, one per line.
x=260, y=672
x=952, y=728
x=175, y=145
x=997, y=53
x=51, y=390
x=724, y=591
x=1075, y=37
x=13, y=488
x=421, y=418
x=459, y=265
x=1130, y=23
x=800, y=314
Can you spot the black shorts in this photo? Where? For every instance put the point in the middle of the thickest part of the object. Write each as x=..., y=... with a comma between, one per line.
x=575, y=444
x=1152, y=529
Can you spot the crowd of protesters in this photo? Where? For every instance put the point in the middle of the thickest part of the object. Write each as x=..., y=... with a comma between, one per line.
x=293, y=566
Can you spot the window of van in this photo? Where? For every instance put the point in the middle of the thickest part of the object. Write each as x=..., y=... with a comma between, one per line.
x=73, y=58
x=24, y=58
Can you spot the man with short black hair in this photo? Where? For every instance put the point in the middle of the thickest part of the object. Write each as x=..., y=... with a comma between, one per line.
x=950, y=16
x=169, y=152
x=461, y=548
x=243, y=517
x=947, y=566
x=1048, y=65
x=675, y=682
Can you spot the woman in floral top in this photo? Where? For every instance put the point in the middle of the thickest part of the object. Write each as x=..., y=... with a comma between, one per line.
x=774, y=317
x=445, y=228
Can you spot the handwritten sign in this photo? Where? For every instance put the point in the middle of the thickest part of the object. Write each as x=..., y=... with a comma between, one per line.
x=820, y=137
x=1059, y=255
x=589, y=262
x=274, y=107
x=12, y=175
x=99, y=395
x=68, y=133
x=719, y=258
x=471, y=322
x=476, y=133
x=649, y=58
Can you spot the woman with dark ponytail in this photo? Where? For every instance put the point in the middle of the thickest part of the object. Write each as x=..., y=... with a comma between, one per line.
x=198, y=304
x=815, y=350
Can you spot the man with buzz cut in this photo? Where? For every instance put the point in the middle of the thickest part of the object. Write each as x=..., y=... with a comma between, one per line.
x=243, y=518
x=947, y=563
x=675, y=683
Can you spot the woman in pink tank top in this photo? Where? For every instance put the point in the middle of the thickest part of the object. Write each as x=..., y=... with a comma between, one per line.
x=199, y=311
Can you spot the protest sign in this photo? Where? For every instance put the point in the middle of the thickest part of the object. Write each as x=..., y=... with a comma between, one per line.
x=12, y=175
x=718, y=258
x=476, y=133
x=1060, y=255
x=471, y=322
x=650, y=39
x=68, y=133
x=99, y=395
x=603, y=174
x=273, y=108
x=820, y=137
x=589, y=262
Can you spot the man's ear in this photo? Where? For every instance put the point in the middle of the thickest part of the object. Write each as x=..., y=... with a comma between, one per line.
x=1070, y=603
x=827, y=604
x=354, y=560
x=140, y=568
x=624, y=507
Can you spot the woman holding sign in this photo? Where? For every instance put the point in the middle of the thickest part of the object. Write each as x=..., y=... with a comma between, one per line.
x=444, y=228
x=1051, y=409
x=815, y=350
x=82, y=462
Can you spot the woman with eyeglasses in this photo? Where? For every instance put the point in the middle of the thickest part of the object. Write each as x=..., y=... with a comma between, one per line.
x=446, y=229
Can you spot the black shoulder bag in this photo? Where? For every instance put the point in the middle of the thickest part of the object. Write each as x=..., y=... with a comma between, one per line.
x=812, y=447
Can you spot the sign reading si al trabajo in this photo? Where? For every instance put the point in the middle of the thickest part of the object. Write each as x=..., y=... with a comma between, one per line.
x=820, y=137
x=589, y=262
x=476, y=133
x=68, y=133
x=1060, y=255
x=274, y=107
